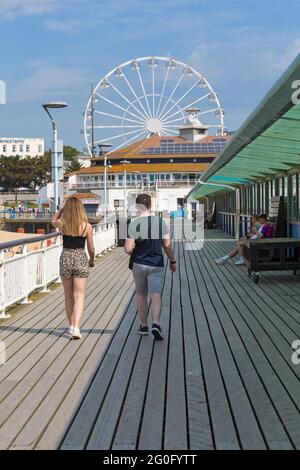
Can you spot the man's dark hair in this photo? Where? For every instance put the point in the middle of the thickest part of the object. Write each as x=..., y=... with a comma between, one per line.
x=144, y=199
x=263, y=216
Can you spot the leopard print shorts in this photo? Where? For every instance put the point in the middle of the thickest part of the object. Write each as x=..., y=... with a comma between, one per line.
x=73, y=263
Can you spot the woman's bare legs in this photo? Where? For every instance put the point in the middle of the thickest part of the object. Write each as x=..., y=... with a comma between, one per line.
x=239, y=248
x=69, y=298
x=79, y=284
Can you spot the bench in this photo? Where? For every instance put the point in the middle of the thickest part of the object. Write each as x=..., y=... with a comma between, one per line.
x=272, y=254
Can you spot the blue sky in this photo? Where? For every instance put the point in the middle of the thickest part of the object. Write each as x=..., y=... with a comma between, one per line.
x=52, y=49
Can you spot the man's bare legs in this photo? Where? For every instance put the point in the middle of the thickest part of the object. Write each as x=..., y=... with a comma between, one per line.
x=156, y=307
x=142, y=306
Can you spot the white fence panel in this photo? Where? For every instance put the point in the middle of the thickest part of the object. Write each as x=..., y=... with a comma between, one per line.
x=23, y=273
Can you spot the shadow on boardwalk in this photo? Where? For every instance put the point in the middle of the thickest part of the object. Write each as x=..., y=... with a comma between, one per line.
x=223, y=377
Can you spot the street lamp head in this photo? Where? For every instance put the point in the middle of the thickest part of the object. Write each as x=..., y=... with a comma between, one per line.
x=55, y=104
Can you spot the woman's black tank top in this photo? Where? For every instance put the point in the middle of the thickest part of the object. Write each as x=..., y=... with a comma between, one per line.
x=72, y=243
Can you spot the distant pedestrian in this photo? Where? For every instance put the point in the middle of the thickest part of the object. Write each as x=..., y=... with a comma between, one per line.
x=73, y=222
x=148, y=237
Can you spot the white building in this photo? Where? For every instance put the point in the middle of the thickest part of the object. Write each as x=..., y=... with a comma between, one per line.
x=21, y=146
x=84, y=159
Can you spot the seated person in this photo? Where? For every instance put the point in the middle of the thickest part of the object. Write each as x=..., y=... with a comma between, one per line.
x=266, y=230
x=257, y=224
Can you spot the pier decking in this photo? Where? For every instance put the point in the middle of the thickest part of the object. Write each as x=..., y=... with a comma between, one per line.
x=223, y=377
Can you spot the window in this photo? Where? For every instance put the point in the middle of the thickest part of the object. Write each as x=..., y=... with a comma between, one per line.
x=14, y=148
x=294, y=209
x=21, y=148
x=4, y=148
x=27, y=148
x=40, y=149
x=118, y=203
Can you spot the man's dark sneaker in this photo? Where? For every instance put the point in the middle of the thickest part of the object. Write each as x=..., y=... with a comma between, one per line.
x=157, y=331
x=143, y=330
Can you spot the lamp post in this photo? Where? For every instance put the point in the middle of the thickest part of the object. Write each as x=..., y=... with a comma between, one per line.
x=125, y=162
x=104, y=153
x=47, y=106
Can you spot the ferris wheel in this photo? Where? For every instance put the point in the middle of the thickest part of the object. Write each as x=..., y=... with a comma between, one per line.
x=148, y=96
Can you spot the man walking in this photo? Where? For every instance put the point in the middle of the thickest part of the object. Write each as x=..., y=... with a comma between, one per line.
x=148, y=236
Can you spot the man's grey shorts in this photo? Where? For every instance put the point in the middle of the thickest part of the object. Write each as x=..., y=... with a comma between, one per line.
x=148, y=278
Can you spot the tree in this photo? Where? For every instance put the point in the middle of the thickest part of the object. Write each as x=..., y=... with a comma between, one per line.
x=70, y=152
x=73, y=166
x=12, y=174
x=41, y=171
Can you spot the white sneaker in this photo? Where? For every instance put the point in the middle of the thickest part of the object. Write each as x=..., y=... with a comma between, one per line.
x=76, y=333
x=221, y=260
x=70, y=330
x=240, y=261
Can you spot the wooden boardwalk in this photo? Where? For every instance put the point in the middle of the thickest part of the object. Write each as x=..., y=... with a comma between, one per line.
x=222, y=379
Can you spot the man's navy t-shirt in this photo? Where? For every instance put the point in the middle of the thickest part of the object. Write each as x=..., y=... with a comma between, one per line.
x=148, y=233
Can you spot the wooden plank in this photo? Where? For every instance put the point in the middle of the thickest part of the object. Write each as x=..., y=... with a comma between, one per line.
x=25, y=312
x=242, y=412
x=102, y=433
x=251, y=436
x=268, y=362
x=152, y=426
x=62, y=419
x=78, y=434
x=44, y=378
x=27, y=344
x=223, y=427
x=92, y=348
x=26, y=321
x=127, y=433
x=199, y=425
x=175, y=433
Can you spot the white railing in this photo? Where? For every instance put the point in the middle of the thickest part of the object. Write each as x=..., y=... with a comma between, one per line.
x=24, y=270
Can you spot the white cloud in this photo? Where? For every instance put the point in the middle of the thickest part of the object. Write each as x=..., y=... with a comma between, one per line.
x=69, y=26
x=11, y=9
x=50, y=82
x=205, y=62
x=269, y=63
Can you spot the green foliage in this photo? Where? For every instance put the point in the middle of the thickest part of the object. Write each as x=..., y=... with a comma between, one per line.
x=28, y=172
x=70, y=152
x=73, y=166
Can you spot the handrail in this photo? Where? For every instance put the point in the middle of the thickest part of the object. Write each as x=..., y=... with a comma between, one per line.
x=24, y=241
x=36, y=269
x=40, y=238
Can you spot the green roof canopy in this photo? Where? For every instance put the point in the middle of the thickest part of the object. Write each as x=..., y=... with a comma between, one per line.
x=267, y=144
